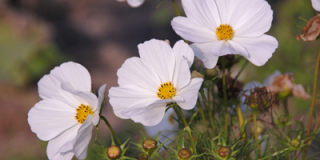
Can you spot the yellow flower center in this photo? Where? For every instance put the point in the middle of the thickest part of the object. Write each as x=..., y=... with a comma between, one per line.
x=224, y=32
x=166, y=91
x=82, y=113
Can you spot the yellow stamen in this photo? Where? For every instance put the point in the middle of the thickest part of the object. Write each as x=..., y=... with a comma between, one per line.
x=224, y=32
x=82, y=113
x=166, y=91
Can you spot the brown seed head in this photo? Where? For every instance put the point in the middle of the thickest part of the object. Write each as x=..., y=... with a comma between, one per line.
x=224, y=151
x=312, y=30
x=149, y=144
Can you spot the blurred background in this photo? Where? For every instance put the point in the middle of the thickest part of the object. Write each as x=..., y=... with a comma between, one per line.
x=37, y=35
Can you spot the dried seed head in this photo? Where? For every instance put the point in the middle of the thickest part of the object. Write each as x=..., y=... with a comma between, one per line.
x=113, y=152
x=312, y=30
x=184, y=154
x=259, y=98
x=233, y=87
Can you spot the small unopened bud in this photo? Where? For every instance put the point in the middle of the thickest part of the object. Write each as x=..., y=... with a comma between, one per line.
x=196, y=74
x=224, y=152
x=149, y=145
x=295, y=143
x=283, y=119
x=284, y=94
x=141, y=156
x=113, y=152
x=184, y=154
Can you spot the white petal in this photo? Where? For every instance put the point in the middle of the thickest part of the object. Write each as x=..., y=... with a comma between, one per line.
x=150, y=115
x=252, y=18
x=136, y=71
x=202, y=12
x=95, y=119
x=83, y=138
x=260, y=49
x=183, y=51
x=182, y=75
x=48, y=118
x=167, y=126
x=221, y=48
x=49, y=88
x=159, y=56
x=86, y=98
x=191, y=31
x=75, y=74
x=202, y=51
x=190, y=93
x=316, y=5
x=269, y=80
x=123, y=97
x=135, y=3
x=55, y=145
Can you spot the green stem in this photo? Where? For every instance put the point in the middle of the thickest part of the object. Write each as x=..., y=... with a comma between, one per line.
x=242, y=68
x=225, y=97
x=111, y=129
x=204, y=118
x=256, y=131
x=240, y=117
x=175, y=7
x=285, y=105
x=187, y=128
x=312, y=104
x=209, y=110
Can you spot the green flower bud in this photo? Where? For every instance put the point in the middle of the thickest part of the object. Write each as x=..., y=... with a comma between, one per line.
x=149, y=145
x=184, y=154
x=224, y=152
x=113, y=152
x=283, y=119
x=295, y=143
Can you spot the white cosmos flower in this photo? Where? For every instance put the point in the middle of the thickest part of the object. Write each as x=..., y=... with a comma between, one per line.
x=66, y=115
x=316, y=5
x=133, y=3
x=147, y=84
x=220, y=27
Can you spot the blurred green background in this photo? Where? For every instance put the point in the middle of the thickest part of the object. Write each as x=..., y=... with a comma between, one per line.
x=36, y=35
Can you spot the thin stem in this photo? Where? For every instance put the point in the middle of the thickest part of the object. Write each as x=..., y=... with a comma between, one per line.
x=256, y=131
x=204, y=118
x=242, y=68
x=176, y=7
x=111, y=129
x=188, y=129
x=312, y=104
x=225, y=97
x=285, y=105
x=240, y=117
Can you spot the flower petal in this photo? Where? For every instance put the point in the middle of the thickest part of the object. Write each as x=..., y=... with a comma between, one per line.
x=135, y=3
x=202, y=51
x=191, y=31
x=190, y=94
x=150, y=115
x=183, y=51
x=269, y=80
x=86, y=98
x=136, y=71
x=125, y=96
x=49, y=88
x=316, y=5
x=48, y=118
x=182, y=75
x=75, y=74
x=159, y=56
x=100, y=101
x=251, y=18
x=55, y=145
x=260, y=49
x=83, y=138
x=202, y=12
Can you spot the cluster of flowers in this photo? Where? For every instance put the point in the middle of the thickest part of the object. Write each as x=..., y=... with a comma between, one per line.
x=159, y=77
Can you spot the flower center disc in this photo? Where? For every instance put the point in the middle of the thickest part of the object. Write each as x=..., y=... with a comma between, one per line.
x=166, y=91
x=224, y=32
x=82, y=113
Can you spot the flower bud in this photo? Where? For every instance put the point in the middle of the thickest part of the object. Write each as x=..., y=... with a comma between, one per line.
x=224, y=152
x=149, y=145
x=184, y=154
x=141, y=156
x=283, y=119
x=113, y=152
x=284, y=94
x=295, y=143
x=196, y=74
